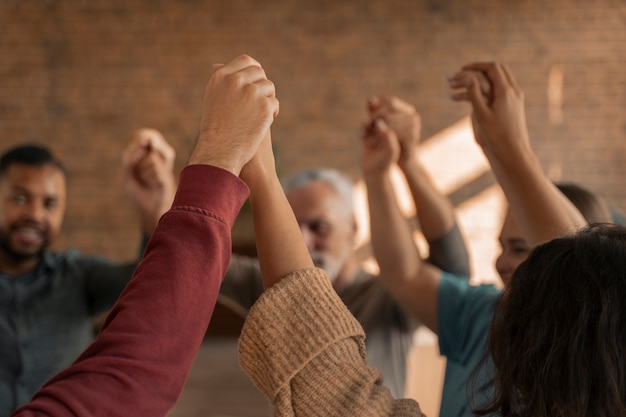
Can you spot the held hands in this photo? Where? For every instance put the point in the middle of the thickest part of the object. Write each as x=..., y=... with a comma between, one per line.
x=402, y=118
x=239, y=107
x=381, y=147
x=498, y=114
x=262, y=165
x=148, y=162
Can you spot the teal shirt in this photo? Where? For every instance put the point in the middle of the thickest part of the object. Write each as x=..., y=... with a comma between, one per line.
x=464, y=315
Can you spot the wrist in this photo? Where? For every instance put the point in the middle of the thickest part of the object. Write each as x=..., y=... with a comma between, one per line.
x=377, y=172
x=217, y=158
x=263, y=186
x=260, y=179
x=408, y=162
x=512, y=149
x=376, y=179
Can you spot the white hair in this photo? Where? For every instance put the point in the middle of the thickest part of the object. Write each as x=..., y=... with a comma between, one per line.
x=341, y=183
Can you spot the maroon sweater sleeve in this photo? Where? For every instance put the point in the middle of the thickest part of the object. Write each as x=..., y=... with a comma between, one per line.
x=139, y=363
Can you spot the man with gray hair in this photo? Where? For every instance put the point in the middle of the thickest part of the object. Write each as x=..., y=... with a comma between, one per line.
x=328, y=228
x=322, y=201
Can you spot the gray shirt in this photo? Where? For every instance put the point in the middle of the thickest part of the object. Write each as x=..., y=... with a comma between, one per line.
x=46, y=318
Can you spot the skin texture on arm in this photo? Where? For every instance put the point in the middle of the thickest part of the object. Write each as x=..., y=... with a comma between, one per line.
x=411, y=280
x=280, y=246
x=499, y=121
x=244, y=80
x=434, y=210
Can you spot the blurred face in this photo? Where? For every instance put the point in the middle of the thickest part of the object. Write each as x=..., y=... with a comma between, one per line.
x=514, y=249
x=327, y=226
x=32, y=204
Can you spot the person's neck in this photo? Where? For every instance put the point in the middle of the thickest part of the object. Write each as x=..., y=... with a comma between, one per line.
x=15, y=268
x=347, y=274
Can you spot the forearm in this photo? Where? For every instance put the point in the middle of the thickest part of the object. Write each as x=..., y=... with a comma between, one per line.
x=139, y=363
x=392, y=236
x=433, y=209
x=413, y=282
x=280, y=247
x=541, y=210
x=500, y=128
x=437, y=219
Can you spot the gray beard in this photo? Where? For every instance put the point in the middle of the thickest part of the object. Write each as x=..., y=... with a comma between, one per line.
x=331, y=270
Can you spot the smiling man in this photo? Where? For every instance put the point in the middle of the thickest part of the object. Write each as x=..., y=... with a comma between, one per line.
x=49, y=298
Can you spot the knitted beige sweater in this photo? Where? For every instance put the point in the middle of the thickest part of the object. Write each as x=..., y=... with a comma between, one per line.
x=302, y=348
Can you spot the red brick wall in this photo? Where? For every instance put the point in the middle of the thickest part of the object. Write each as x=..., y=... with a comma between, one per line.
x=80, y=75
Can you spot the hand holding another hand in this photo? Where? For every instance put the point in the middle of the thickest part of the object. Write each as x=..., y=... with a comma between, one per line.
x=498, y=116
x=381, y=147
x=148, y=159
x=239, y=107
x=402, y=118
x=148, y=162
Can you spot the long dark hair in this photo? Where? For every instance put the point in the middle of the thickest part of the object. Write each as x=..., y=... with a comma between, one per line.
x=558, y=336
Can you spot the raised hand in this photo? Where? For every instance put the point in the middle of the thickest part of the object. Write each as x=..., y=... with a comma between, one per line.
x=381, y=148
x=239, y=107
x=148, y=162
x=402, y=118
x=540, y=209
x=498, y=116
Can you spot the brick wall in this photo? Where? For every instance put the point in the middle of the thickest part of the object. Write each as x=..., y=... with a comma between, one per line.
x=80, y=75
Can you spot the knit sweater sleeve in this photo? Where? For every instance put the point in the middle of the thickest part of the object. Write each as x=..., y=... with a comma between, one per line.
x=301, y=346
x=139, y=363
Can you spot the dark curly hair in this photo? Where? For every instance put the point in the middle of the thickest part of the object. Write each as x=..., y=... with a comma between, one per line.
x=558, y=336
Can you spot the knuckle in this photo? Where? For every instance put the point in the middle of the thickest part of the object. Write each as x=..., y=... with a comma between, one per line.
x=236, y=78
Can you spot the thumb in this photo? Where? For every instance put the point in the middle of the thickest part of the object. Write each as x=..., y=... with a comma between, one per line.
x=381, y=126
x=476, y=97
x=384, y=132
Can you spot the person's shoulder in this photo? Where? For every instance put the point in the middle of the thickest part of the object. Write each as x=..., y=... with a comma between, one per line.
x=74, y=258
x=56, y=257
x=454, y=283
x=462, y=298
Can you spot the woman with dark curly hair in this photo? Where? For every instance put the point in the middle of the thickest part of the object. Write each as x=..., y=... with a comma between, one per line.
x=558, y=337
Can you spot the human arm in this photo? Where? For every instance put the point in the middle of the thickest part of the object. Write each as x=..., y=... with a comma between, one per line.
x=279, y=243
x=434, y=211
x=140, y=360
x=412, y=281
x=299, y=332
x=499, y=122
x=148, y=162
x=306, y=352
